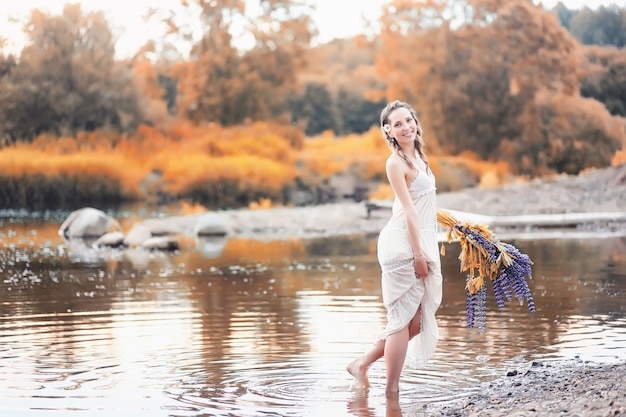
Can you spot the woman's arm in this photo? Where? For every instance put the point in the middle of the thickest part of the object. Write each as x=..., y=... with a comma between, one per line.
x=397, y=173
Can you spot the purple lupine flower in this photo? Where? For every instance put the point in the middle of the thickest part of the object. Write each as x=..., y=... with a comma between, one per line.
x=476, y=308
x=481, y=309
x=506, y=284
x=470, y=305
x=516, y=272
x=507, y=281
x=499, y=285
x=531, y=304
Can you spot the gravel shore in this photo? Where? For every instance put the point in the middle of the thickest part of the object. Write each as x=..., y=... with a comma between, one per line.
x=568, y=388
x=597, y=191
x=602, y=190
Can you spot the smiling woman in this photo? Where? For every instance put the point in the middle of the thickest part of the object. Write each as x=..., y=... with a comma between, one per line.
x=408, y=254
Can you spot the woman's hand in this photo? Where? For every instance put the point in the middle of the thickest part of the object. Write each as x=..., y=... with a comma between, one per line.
x=421, y=267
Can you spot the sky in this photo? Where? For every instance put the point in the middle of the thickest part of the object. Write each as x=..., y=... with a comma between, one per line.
x=334, y=18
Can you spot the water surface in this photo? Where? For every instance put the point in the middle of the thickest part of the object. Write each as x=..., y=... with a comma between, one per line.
x=241, y=327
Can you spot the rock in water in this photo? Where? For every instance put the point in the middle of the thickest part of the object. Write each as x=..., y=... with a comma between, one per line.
x=112, y=240
x=88, y=222
x=210, y=224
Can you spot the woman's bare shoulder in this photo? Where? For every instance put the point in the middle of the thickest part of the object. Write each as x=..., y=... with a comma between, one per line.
x=395, y=159
x=396, y=166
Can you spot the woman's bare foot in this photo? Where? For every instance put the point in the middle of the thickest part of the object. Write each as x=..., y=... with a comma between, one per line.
x=359, y=372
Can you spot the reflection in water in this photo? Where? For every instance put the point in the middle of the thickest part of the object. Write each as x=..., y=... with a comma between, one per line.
x=358, y=405
x=248, y=328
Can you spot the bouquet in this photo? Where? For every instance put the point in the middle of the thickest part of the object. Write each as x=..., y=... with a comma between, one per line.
x=485, y=258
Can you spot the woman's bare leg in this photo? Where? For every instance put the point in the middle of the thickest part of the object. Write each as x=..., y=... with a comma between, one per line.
x=395, y=353
x=414, y=324
x=358, y=367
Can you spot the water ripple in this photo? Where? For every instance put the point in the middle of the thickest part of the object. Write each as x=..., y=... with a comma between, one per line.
x=181, y=337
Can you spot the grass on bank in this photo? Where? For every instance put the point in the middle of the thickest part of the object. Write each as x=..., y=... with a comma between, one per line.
x=257, y=165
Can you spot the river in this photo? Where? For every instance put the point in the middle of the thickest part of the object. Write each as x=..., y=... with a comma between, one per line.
x=247, y=327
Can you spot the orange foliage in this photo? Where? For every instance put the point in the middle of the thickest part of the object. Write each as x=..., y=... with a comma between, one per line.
x=619, y=158
x=187, y=208
x=383, y=192
x=328, y=155
x=491, y=174
x=256, y=157
x=262, y=204
x=25, y=160
x=248, y=172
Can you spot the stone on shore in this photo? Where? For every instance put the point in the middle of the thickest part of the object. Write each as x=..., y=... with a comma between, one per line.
x=137, y=235
x=111, y=240
x=165, y=243
x=88, y=222
x=210, y=224
x=565, y=388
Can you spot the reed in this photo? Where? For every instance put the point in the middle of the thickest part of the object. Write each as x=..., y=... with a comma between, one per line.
x=34, y=179
x=210, y=164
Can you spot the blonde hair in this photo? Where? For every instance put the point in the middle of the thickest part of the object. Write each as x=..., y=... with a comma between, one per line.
x=392, y=142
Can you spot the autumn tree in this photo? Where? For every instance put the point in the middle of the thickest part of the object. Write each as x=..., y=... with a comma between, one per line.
x=336, y=84
x=494, y=77
x=342, y=65
x=156, y=88
x=227, y=82
x=411, y=51
x=605, y=77
x=357, y=114
x=314, y=110
x=67, y=80
x=555, y=129
x=572, y=133
x=7, y=63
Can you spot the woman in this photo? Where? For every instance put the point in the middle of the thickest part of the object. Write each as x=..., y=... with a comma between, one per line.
x=408, y=254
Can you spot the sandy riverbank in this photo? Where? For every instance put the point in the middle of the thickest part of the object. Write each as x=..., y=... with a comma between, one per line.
x=598, y=191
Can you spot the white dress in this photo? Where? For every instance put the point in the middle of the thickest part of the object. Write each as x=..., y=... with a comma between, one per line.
x=402, y=292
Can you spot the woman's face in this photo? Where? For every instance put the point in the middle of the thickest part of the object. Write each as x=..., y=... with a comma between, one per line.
x=403, y=126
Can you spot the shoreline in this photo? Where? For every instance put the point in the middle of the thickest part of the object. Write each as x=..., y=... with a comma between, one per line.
x=547, y=389
x=593, y=202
